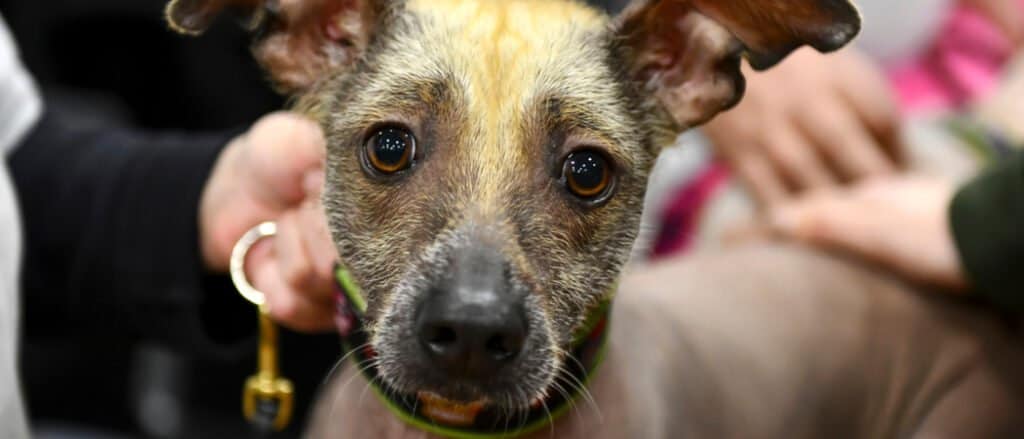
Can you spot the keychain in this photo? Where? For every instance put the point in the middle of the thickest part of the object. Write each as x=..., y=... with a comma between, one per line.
x=267, y=397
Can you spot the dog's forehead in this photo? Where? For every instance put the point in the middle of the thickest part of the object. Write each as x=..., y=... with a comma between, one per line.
x=508, y=61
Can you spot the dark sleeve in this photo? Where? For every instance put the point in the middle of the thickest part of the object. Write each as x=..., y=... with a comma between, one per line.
x=111, y=237
x=987, y=217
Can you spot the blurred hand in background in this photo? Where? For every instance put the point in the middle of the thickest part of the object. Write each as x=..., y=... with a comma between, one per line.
x=901, y=223
x=1005, y=14
x=812, y=122
x=274, y=172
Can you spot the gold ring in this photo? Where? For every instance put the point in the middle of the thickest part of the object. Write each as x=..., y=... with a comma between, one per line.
x=237, y=266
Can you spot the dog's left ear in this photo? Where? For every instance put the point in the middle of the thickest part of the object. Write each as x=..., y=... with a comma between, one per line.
x=688, y=51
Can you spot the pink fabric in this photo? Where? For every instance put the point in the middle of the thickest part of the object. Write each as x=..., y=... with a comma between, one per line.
x=680, y=219
x=963, y=64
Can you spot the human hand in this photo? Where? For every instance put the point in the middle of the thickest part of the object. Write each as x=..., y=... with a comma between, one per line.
x=812, y=122
x=274, y=172
x=1007, y=15
x=901, y=223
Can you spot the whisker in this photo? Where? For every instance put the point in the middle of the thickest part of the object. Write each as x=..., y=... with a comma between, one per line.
x=588, y=397
x=369, y=383
x=582, y=388
x=335, y=368
x=551, y=419
x=508, y=411
x=523, y=409
x=568, y=398
x=360, y=368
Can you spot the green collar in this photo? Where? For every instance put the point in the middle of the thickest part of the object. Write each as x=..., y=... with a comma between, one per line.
x=487, y=423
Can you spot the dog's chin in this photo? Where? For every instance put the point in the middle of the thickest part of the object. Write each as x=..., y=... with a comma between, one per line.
x=517, y=386
x=506, y=390
x=462, y=393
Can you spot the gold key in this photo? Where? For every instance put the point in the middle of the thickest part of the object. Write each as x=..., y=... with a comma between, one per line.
x=267, y=397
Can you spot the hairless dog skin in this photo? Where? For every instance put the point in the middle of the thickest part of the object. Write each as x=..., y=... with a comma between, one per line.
x=772, y=342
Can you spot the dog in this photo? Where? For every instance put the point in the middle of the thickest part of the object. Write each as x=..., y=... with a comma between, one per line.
x=486, y=169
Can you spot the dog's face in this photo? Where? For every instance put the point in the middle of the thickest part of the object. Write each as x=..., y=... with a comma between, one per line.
x=488, y=159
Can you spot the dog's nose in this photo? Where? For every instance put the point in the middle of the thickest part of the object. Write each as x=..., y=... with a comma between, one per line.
x=472, y=324
x=471, y=340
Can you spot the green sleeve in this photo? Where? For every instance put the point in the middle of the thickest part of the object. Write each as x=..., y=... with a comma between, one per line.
x=987, y=217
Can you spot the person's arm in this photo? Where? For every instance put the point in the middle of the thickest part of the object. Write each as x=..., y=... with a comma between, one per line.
x=111, y=233
x=987, y=218
x=126, y=231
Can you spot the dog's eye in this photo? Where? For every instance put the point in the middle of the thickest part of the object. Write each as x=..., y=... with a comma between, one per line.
x=390, y=149
x=587, y=174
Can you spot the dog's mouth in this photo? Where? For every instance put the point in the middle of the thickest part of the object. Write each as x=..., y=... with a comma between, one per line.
x=457, y=408
x=453, y=404
x=460, y=399
x=449, y=412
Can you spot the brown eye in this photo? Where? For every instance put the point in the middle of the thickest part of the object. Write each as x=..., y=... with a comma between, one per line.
x=587, y=174
x=390, y=149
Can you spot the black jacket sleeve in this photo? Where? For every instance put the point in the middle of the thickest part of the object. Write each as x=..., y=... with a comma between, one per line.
x=987, y=216
x=111, y=225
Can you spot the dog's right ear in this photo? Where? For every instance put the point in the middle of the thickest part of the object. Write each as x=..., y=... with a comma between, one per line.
x=298, y=41
x=688, y=51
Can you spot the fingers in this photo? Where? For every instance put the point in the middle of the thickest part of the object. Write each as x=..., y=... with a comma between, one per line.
x=842, y=137
x=833, y=220
x=317, y=239
x=898, y=223
x=313, y=183
x=876, y=107
x=1006, y=15
x=284, y=149
x=809, y=125
x=759, y=177
x=303, y=140
x=785, y=165
x=295, y=310
x=299, y=265
x=275, y=172
x=848, y=222
x=313, y=227
x=797, y=160
x=295, y=276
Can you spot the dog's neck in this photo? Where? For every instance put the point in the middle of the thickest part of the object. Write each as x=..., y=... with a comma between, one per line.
x=433, y=414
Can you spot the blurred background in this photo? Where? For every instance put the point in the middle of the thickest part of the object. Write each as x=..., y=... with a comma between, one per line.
x=115, y=62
